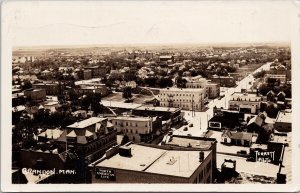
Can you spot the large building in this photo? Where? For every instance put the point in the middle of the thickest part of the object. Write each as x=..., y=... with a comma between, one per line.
x=245, y=102
x=167, y=114
x=91, y=86
x=133, y=163
x=212, y=89
x=97, y=71
x=187, y=99
x=138, y=129
x=51, y=88
x=35, y=94
x=281, y=77
x=90, y=138
x=225, y=81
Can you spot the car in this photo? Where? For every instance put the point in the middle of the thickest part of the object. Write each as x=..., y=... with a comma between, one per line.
x=128, y=101
x=221, y=96
x=250, y=159
x=185, y=129
x=244, y=152
x=191, y=125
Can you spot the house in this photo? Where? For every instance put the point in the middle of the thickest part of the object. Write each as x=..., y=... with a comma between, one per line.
x=283, y=122
x=255, y=123
x=238, y=138
x=271, y=96
x=281, y=96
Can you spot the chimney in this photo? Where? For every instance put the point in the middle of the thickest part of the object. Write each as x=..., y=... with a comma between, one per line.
x=201, y=156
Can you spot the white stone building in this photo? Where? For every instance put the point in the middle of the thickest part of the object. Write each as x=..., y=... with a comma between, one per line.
x=186, y=98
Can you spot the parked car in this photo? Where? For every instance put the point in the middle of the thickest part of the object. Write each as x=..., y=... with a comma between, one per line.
x=191, y=125
x=221, y=96
x=185, y=129
x=250, y=159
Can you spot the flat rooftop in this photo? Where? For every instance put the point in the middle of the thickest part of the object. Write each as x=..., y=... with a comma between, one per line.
x=87, y=122
x=284, y=117
x=155, y=160
x=249, y=95
x=129, y=118
x=116, y=104
x=164, y=109
x=183, y=89
x=188, y=141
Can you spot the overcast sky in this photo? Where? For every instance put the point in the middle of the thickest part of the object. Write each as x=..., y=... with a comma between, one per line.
x=74, y=23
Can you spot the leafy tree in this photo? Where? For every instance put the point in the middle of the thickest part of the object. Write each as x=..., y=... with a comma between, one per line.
x=127, y=93
x=26, y=85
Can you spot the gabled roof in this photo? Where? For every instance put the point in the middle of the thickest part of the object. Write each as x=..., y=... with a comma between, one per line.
x=238, y=135
x=72, y=134
x=256, y=120
x=281, y=93
x=270, y=93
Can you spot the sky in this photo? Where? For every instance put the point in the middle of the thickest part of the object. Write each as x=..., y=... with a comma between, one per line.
x=147, y=22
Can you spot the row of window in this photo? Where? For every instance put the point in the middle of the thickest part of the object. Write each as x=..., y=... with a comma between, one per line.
x=164, y=94
x=239, y=99
x=128, y=124
x=180, y=105
x=132, y=131
x=202, y=173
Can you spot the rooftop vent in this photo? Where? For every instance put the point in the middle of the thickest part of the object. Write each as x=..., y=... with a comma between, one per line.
x=201, y=156
x=125, y=151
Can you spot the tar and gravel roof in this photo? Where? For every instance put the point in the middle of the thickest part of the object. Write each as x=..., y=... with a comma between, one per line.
x=155, y=160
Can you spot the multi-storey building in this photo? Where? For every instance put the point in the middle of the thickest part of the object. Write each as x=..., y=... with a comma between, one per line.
x=35, y=94
x=187, y=99
x=89, y=138
x=212, y=90
x=97, y=71
x=138, y=129
x=51, y=88
x=245, y=102
x=133, y=163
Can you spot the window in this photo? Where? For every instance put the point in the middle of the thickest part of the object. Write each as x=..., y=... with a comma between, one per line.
x=136, y=124
x=126, y=123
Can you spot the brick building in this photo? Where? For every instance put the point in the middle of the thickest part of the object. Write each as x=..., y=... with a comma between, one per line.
x=133, y=163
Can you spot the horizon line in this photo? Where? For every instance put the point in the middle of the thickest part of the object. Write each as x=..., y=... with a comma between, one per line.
x=286, y=43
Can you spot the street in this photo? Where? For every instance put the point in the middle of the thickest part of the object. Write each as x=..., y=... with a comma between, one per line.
x=200, y=119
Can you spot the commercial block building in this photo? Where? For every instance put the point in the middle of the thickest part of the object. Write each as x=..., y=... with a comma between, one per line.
x=135, y=163
x=51, y=88
x=212, y=89
x=138, y=129
x=245, y=102
x=35, y=94
x=187, y=99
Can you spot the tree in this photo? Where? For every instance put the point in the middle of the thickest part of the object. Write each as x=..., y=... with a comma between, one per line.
x=26, y=85
x=127, y=92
